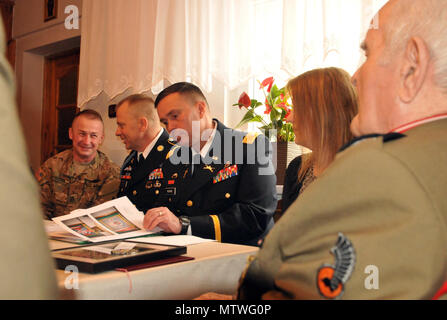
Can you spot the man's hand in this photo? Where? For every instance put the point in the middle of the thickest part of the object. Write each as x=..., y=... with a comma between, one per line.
x=164, y=219
x=214, y=296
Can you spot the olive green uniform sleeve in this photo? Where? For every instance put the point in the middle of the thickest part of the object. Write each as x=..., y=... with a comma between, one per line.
x=26, y=267
x=393, y=219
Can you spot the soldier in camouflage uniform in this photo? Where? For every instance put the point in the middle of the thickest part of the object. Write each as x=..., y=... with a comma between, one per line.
x=81, y=177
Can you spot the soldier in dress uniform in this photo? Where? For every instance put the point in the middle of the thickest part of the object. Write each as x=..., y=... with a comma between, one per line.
x=140, y=130
x=80, y=177
x=374, y=225
x=228, y=192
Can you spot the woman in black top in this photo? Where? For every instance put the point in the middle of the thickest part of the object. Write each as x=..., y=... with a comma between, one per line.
x=324, y=103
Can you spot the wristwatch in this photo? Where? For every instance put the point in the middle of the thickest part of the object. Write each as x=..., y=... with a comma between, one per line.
x=185, y=222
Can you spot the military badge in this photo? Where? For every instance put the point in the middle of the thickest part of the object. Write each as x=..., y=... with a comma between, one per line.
x=226, y=173
x=331, y=279
x=156, y=174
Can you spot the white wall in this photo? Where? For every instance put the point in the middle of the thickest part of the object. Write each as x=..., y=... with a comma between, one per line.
x=36, y=39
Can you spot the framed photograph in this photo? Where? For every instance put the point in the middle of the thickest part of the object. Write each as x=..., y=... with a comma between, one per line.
x=50, y=10
x=99, y=257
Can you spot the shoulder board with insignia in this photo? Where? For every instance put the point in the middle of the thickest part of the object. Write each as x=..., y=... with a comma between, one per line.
x=250, y=137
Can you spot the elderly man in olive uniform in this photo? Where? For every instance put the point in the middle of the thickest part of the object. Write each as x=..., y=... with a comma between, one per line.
x=228, y=193
x=80, y=177
x=141, y=132
x=374, y=225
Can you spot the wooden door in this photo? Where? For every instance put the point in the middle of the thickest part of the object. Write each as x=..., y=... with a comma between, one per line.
x=60, y=102
x=7, y=9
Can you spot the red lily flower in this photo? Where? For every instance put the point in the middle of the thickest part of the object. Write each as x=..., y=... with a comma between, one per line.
x=244, y=100
x=268, y=108
x=267, y=82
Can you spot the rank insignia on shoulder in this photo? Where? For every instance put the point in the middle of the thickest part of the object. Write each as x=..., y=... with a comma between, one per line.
x=250, y=137
x=226, y=173
x=331, y=279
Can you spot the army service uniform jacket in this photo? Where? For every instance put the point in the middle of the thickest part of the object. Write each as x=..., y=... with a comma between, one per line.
x=142, y=182
x=63, y=189
x=372, y=226
x=230, y=195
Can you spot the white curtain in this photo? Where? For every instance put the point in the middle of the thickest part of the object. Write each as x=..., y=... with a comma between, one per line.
x=117, y=47
x=137, y=44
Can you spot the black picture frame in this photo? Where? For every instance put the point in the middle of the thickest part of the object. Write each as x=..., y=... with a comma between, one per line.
x=49, y=10
x=89, y=261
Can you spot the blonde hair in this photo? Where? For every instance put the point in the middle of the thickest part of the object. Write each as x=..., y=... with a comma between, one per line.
x=141, y=105
x=324, y=103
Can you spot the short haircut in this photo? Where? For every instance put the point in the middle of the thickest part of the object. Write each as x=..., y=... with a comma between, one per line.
x=324, y=104
x=90, y=114
x=140, y=105
x=426, y=19
x=185, y=89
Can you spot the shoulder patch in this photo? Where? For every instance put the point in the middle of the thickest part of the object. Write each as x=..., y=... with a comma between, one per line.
x=331, y=279
x=250, y=137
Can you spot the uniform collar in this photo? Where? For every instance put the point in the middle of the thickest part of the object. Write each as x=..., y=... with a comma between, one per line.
x=151, y=145
x=416, y=123
x=209, y=142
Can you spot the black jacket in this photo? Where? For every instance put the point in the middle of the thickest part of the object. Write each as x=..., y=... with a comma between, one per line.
x=230, y=195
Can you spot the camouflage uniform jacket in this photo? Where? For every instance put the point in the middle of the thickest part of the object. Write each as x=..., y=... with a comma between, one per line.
x=64, y=190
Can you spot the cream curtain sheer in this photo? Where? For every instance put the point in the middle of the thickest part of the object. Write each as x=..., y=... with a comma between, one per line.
x=137, y=44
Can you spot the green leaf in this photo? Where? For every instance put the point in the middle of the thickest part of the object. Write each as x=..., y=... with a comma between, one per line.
x=275, y=92
x=255, y=103
x=247, y=118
